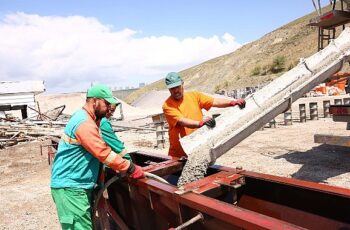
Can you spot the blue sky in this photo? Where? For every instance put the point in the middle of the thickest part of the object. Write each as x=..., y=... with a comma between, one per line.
x=71, y=43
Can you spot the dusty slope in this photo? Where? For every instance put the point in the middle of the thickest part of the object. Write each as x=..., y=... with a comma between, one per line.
x=294, y=41
x=152, y=100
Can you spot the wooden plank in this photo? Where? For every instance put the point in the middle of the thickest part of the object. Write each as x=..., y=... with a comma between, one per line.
x=332, y=140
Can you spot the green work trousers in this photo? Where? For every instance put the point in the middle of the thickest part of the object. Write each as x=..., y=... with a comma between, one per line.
x=73, y=207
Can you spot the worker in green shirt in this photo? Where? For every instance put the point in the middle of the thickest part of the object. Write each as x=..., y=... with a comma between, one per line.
x=76, y=166
x=109, y=136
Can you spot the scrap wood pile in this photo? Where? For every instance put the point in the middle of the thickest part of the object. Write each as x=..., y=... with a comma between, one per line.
x=50, y=115
x=12, y=133
x=42, y=126
x=122, y=127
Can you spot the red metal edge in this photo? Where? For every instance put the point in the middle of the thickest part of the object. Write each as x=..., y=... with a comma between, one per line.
x=327, y=16
x=218, y=209
x=233, y=214
x=345, y=192
x=340, y=110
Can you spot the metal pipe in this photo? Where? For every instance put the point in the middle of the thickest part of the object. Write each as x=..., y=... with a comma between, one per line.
x=119, y=221
x=189, y=222
x=316, y=8
x=153, y=176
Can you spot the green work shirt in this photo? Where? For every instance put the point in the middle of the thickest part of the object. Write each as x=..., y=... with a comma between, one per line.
x=110, y=138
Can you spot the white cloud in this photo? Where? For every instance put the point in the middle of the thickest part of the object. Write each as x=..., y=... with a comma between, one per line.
x=71, y=52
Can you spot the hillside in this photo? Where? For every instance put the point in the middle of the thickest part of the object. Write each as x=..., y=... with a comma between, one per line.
x=249, y=65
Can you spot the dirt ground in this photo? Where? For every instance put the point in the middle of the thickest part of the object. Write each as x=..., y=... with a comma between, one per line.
x=24, y=189
x=284, y=151
x=290, y=151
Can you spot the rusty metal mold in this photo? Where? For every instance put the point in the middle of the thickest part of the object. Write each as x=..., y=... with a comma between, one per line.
x=226, y=198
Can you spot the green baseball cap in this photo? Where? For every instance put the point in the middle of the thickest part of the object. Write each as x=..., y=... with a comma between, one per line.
x=103, y=92
x=173, y=80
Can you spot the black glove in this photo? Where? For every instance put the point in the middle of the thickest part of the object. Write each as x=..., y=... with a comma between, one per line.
x=210, y=122
x=240, y=103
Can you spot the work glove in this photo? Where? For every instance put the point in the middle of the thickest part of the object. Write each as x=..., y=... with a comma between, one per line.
x=135, y=171
x=210, y=122
x=240, y=103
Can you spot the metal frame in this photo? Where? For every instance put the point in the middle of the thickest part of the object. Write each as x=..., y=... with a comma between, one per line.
x=328, y=22
x=227, y=199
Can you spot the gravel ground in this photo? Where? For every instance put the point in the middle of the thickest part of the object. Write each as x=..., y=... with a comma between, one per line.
x=287, y=151
x=290, y=151
x=24, y=189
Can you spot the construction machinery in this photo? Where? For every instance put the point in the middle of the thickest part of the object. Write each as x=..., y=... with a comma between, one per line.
x=328, y=21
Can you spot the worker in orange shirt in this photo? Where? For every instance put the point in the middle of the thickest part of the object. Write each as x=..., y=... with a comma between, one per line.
x=183, y=111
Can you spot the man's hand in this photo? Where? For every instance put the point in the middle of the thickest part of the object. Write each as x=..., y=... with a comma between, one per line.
x=240, y=103
x=210, y=122
x=135, y=171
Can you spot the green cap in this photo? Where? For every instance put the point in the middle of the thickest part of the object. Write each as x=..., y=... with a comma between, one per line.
x=173, y=80
x=102, y=91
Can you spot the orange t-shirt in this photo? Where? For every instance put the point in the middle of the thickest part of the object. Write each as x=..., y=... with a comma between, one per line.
x=190, y=107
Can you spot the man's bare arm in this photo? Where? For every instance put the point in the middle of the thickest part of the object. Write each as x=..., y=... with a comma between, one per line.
x=188, y=123
x=223, y=103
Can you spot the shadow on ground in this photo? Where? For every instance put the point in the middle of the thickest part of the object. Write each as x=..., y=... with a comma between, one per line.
x=320, y=163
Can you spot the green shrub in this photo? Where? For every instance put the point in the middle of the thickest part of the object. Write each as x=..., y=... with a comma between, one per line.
x=265, y=70
x=225, y=84
x=292, y=65
x=217, y=88
x=256, y=70
x=278, y=64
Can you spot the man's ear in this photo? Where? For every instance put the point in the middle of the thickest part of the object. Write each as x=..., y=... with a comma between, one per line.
x=92, y=101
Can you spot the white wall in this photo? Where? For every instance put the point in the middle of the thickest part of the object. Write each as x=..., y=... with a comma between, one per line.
x=19, y=99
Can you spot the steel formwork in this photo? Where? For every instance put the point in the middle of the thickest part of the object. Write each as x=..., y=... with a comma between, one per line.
x=226, y=198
